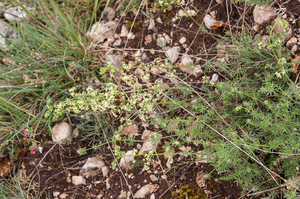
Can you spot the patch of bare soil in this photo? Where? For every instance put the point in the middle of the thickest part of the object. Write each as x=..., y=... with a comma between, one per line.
x=54, y=168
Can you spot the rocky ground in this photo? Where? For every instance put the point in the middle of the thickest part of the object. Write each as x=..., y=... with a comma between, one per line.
x=171, y=38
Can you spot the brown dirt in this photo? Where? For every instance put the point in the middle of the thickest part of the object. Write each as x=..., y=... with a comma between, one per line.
x=58, y=164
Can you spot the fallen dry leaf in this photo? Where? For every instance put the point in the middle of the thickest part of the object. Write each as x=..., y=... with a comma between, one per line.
x=220, y=24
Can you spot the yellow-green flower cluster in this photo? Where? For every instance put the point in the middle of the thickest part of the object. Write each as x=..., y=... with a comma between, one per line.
x=105, y=99
x=148, y=158
x=87, y=100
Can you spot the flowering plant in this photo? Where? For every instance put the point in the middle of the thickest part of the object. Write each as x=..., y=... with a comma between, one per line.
x=28, y=138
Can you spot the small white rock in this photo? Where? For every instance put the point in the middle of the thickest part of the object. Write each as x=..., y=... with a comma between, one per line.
x=124, y=31
x=107, y=183
x=294, y=49
x=131, y=130
x=255, y=28
x=168, y=39
x=159, y=20
x=181, y=13
x=153, y=178
x=151, y=24
x=137, y=54
x=101, y=31
x=13, y=14
x=283, y=28
x=139, y=146
x=40, y=149
x=152, y=196
x=197, y=72
x=122, y=195
x=213, y=14
x=263, y=14
x=117, y=43
x=182, y=40
x=92, y=167
x=148, y=39
x=161, y=42
x=173, y=54
x=7, y=33
x=78, y=180
x=56, y=193
x=109, y=14
x=104, y=171
x=115, y=60
x=145, y=190
x=291, y=42
x=126, y=161
x=186, y=60
x=284, y=16
x=214, y=78
x=63, y=196
x=62, y=132
x=152, y=51
x=144, y=57
x=130, y=35
x=209, y=21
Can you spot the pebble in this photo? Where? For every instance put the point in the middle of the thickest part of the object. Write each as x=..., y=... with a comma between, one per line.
x=63, y=196
x=56, y=193
x=281, y=26
x=214, y=78
x=161, y=42
x=159, y=20
x=168, y=39
x=182, y=40
x=62, y=132
x=145, y=190
x=124, y=31
x=294, y=49
x=152, y=196
x=148, y=39
x=153, y=178
x=118, y=43
x=78, y=180
x=130, y=35
x=114, y=59
x=291, y=42
x=92, y=167
x=151, y=24
x=173, y=54
x=109, y=14
x=13, y=14
x=263, y=14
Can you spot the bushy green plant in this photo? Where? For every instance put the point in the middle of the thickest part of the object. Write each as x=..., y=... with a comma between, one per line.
x=259, y=111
